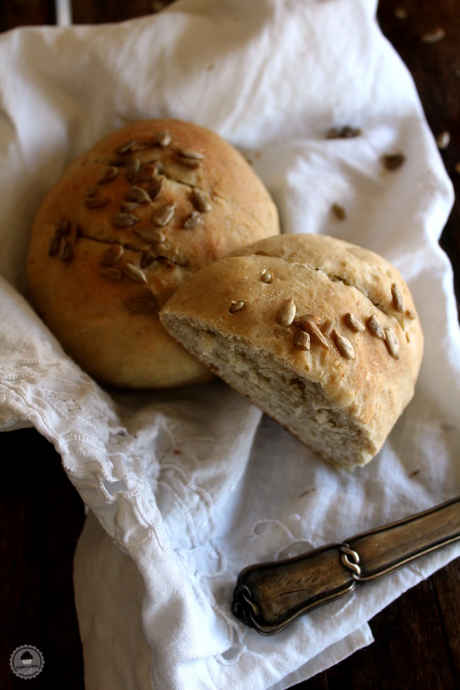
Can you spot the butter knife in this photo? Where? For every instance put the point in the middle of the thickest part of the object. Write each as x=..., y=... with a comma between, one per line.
x=270, y=596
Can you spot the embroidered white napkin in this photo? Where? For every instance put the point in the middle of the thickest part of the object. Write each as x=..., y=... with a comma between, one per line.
x=192, y=485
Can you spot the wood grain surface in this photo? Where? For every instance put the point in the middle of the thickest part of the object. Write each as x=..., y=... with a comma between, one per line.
x=417, y=638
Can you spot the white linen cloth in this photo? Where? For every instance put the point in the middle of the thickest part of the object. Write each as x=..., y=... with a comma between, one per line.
x=192, y=485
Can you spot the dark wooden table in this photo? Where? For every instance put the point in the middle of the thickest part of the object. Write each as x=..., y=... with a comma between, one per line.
x=417, y=638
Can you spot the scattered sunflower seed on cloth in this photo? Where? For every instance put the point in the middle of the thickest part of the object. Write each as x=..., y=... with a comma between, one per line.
x=186, y=488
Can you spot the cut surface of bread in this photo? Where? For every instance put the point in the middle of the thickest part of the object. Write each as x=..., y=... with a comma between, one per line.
x=320, y=334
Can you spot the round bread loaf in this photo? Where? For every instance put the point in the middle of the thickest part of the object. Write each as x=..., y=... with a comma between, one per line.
x=321, y=334
x=127, y=223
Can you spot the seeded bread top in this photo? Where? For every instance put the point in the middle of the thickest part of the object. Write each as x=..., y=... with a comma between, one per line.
x=142, y=209
x=330, y=312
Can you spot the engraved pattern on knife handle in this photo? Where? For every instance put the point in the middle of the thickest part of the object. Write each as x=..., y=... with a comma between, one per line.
x=270, y=596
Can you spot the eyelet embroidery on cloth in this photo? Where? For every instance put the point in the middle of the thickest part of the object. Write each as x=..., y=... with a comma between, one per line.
x=119, y=465
x=195, y=542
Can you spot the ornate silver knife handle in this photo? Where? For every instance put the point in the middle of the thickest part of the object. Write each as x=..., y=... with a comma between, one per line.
x=270, y=596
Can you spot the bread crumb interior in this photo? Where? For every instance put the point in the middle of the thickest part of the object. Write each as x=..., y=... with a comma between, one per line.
x=296, y=403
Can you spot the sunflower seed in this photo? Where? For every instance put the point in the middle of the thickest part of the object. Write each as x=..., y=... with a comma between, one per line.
x=311, y=327
x=166, y=261
x=123, y=220
x=375, y=328
x=434, y=36
x=392, y=343
x=111, y=255
x=200, y=200
x=146, y=144
x=301, y=340
x=54, y=244
x=300, y=320
x=338, y=211
x=138, y=195
x=345, y=132
x=190, y=162
x=142, y=305
x=66, y=251
x=164, y=214
x=127, y=147
x=97, y=201
x=108, y=175
x=344, y=346
x=286, y=314
x=236, y=306
x=266, y=276
x=398, y=301
x=327, y=327
x=187, y=152
x=392, y=161
x=147, y=257
x=132, y=168
x=128, y=206
x=146, y=173
x=92, y=191
x=156, y=188
x=113, y=275
x=162, y=248
x=163, y=138
x=353, y=323
x=443, y=140
x=192, y=221
x=150, y=235
x=400, y=13
x=135, y=273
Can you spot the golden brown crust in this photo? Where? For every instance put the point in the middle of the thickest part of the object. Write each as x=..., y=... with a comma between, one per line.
x=119, y=195
x=339, y=292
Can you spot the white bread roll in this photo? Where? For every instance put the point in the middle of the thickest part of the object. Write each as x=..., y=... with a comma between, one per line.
x=127, y=222
x=322, y=335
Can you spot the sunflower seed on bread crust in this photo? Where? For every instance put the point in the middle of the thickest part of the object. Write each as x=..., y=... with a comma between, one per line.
x=353, y=323
x=138, y=195
x=286, y=314
x=375, y=328
x=398, y=301
x=236, y=306
x=97, y=201
x=163, y=138
x=135, y=273
x=111, y=255
x=200, y=200
x=109, y=174
x=344, y=346
x=301, y=340
x=124, y=220
x=392, y=343
x=317, y=336
x=164, y=215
